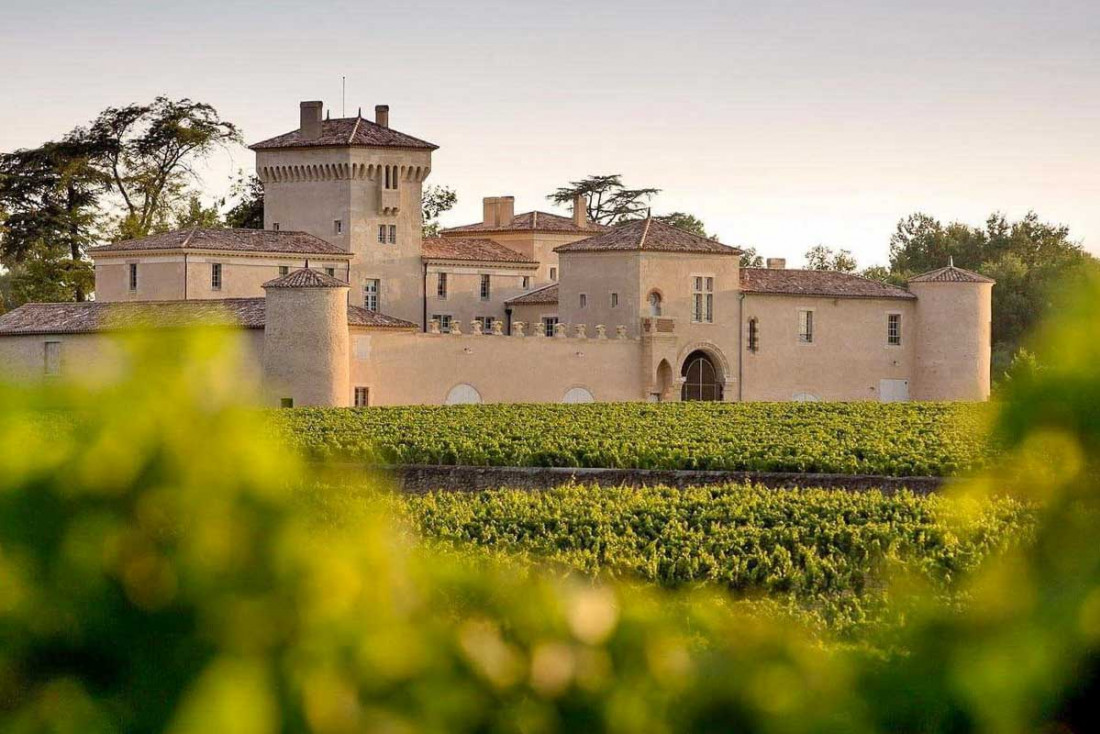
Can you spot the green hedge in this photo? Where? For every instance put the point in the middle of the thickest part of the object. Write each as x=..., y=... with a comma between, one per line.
x=913, y=439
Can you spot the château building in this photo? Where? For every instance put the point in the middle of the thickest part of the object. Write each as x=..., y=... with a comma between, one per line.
x=340, y=301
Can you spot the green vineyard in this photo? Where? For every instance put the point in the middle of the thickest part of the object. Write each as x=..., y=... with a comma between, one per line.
x=910, y=439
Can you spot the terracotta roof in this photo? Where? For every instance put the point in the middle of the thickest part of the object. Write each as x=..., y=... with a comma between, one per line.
x=546, y=294
x=233, y=240
x=482, y=250
x=951, y=274
x=347, y=131
x=93, y=316
x=531, y=222
x=359, y=316
x=648, y=235
x=306, y=278
x=817, y=283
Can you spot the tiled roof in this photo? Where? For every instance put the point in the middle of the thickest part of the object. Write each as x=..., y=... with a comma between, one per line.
x=546, y=294
x=817, y=283
x=232, y=240
x=951, y=274
x=531, y=222
x=347, y=131
x=306, y=278
x=482, y=250
x=359, y=316
x=92, y=316
x=648, y=235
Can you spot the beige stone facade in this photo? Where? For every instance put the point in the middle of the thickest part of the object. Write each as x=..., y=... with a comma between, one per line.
x=340, y=301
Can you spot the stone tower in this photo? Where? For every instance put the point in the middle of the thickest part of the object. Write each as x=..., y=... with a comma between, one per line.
x=306, y=358
x=356, y=184
x=953, y=348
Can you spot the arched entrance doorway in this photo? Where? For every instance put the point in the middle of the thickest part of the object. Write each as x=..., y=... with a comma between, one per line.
x=701, y=379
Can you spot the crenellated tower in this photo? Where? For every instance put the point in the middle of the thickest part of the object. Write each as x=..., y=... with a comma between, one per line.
x=357, y=184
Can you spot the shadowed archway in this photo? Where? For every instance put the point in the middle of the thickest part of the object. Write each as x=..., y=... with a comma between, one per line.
x=702, y=380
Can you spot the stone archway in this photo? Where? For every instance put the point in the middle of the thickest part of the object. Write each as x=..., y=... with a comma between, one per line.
x=702, y=378
x=664, y=381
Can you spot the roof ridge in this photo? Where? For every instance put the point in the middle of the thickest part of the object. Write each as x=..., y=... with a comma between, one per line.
x=354, y=129
x=187, y=240
x=645, y=233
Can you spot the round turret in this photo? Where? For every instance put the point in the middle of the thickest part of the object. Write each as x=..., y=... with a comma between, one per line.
x=953, y=342
x=306, y=340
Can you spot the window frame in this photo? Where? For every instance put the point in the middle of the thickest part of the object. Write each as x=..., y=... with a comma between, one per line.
x=284, y=270
x=215, y=276
x=753, y=336
x=393, y=234
x=441, y=286
x=337, y=226
x=364, y=392
x=525, y=283
x=551, y=322
x=376, y=292
x=444, y=320
x=51, y=358
x=806, y=327
x=381, y=234
x=583, y=300
x=486, y=324
x=702, y=298
x=554, y=274
x=614, y=300
x=893, y=336
x=485, y=287
x=132, y=277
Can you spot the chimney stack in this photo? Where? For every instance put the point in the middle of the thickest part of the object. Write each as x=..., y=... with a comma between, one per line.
x=310, y=128
x=777, y=263
x=498, y=211
x=580, y=211
x=382, y=114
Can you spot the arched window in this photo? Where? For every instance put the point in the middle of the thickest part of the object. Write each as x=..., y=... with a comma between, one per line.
x=701, y=380
x=463, y=394
x=654, y=304
x=805, y=397
x=578, y=395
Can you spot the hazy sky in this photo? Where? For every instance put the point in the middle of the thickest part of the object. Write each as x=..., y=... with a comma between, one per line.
x=780, y=124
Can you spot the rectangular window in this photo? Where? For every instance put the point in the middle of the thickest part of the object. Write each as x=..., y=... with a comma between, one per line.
x=393, y=234
x=584, y=300
x=441, y=286
x=486, y=289
x=330, y=272
x=133, y=277
x=371, y=295
x=52, y=359
x=893, y=329
x=486, y=324
x=548, y=324
x=286, y=402
x=806, y=327
x=702, y=299
x=444, y=320
x=526, y=282
x=553, y=273
x=337, y=226
x=614, y=300
x=382, y=233
x=362, y=397
x=275, y=227
x=216, y=276
x=754, y=335
x=284, y=270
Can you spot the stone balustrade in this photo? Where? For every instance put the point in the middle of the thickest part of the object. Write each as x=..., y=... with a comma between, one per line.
x=519, y=330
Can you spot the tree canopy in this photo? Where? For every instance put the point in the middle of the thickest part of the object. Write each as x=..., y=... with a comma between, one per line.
x=822, y=257
x=609, y=201
x=435, y=200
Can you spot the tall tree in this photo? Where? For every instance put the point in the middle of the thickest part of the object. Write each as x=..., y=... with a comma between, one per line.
x=148, y=152
x=434, y=201
x=248, y=211
x=51, y=198
x=609, y=201
x=821, y=257
x=750, y=258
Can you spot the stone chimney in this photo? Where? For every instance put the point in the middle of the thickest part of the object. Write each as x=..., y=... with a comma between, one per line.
x=498, y=211
x=310, y=128
x=382, y=114
x=580, y=211
x=777, y=263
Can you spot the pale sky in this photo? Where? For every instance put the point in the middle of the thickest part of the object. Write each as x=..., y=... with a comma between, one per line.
x=781, y=124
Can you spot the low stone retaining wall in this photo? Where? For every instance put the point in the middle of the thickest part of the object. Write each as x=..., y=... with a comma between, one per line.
x=425, y=478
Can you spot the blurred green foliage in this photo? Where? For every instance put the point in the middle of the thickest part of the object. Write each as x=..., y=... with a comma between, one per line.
x=157, y=573
x=898, y=439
